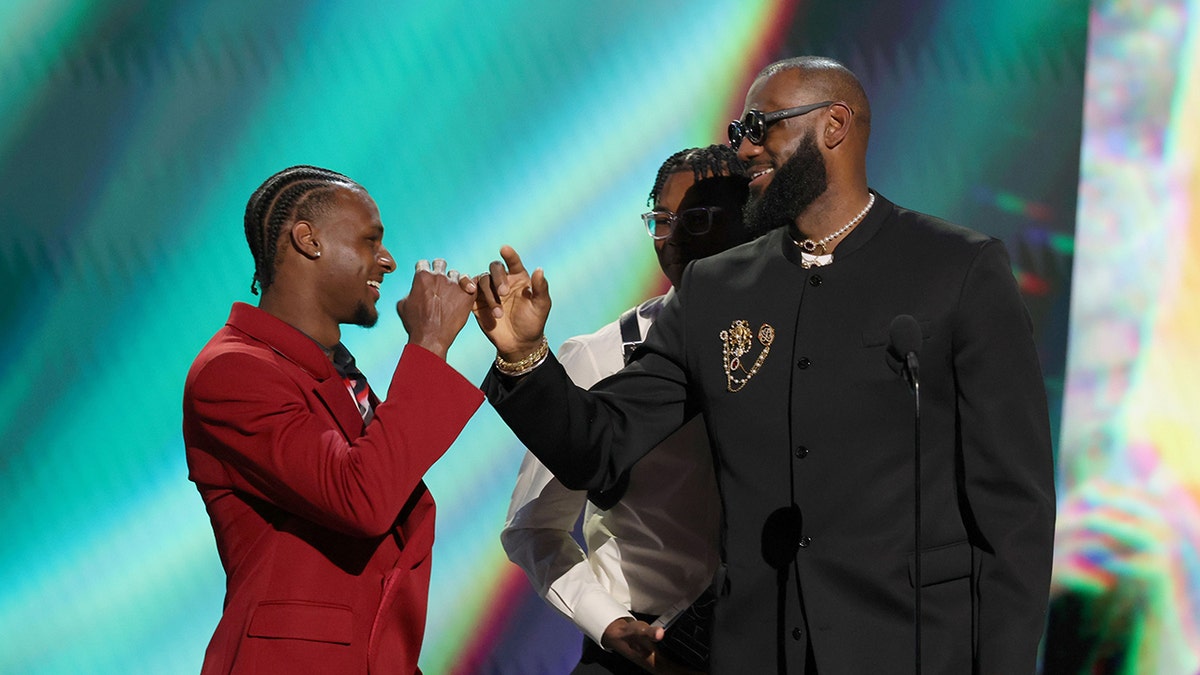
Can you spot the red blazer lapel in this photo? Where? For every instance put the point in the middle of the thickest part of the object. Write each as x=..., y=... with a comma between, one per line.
x=304, y=352
x=336, y=397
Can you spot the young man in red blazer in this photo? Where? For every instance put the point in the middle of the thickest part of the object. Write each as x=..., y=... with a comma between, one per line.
x=313, y=485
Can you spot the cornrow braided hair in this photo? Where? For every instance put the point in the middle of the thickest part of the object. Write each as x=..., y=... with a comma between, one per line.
x=715, y=160
x=296, y=193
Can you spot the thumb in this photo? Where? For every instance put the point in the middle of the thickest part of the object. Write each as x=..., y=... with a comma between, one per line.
x=540, y=287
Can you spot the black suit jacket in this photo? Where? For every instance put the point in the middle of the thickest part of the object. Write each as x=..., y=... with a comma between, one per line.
x=814, y=453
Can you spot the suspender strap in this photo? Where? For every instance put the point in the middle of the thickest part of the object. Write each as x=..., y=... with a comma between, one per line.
x=631, y=337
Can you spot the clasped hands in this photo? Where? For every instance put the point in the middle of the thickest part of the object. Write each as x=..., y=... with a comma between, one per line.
x=510, y=306
x=638, y=642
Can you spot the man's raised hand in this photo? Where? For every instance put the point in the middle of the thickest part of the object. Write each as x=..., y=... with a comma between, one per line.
x=511, y=306
x=436, y=308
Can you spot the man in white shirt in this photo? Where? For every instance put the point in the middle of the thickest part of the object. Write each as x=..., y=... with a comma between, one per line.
x=652, y=541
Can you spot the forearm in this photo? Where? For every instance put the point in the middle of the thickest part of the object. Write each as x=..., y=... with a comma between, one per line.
x=561, y=575
x=560, y=424
x=281, y=440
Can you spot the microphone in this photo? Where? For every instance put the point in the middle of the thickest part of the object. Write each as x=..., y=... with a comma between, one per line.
x=904, y=342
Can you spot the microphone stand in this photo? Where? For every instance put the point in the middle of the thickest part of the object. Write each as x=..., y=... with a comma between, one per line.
x=904, y=336
x=911, y=369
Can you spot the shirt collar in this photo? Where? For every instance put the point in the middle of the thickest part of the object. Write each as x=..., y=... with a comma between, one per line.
x=282, y=337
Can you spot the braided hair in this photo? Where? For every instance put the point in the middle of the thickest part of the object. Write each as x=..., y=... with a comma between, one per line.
x=715, y=160
x=296, y=193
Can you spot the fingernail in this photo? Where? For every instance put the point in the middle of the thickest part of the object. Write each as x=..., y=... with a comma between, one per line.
x=497, y=312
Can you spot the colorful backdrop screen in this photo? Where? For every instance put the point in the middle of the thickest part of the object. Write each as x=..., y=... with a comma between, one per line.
x=132, y=133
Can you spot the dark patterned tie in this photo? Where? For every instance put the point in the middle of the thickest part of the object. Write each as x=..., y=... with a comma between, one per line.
x=356, y=382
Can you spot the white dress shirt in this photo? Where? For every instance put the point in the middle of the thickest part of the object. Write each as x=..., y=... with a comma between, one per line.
x=654, y=552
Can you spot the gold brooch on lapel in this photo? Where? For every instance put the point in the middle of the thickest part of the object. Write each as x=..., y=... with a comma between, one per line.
x=738, y=341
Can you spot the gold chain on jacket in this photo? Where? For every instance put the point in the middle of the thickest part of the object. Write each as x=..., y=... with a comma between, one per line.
x=737, y=342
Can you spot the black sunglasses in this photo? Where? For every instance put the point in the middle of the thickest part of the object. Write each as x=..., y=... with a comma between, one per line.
x=753, y=126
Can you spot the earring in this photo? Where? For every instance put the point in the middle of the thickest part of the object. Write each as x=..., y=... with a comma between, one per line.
x=317, y=255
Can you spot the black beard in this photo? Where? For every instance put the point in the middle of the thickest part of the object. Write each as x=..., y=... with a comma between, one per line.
x=365, y=315
x=796, y=184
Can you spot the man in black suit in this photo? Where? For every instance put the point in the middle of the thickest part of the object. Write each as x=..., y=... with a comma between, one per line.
x=788, y=345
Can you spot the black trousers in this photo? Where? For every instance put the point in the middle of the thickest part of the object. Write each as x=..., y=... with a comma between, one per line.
x=595, y=661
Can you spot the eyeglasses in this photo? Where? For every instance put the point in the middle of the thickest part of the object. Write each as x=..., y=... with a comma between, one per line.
x=694, y=221
x=753, y=126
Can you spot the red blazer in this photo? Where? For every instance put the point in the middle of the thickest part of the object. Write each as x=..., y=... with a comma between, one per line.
x=324, y=529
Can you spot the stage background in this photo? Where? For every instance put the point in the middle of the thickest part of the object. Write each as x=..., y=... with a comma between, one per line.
x=132, y=133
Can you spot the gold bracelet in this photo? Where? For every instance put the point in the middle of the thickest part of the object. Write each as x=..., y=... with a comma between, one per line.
x=526, y=364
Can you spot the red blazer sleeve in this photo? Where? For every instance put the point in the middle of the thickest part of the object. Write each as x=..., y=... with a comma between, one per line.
x=276, y=430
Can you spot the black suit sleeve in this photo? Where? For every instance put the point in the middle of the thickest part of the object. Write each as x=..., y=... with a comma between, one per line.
x=588, y=438
x=1007, y=463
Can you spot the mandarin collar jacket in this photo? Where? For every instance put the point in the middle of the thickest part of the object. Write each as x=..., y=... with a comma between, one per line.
x=812, y=430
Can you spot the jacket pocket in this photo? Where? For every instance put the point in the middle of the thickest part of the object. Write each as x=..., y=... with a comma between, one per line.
x=941, y=564
x=302, y=620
